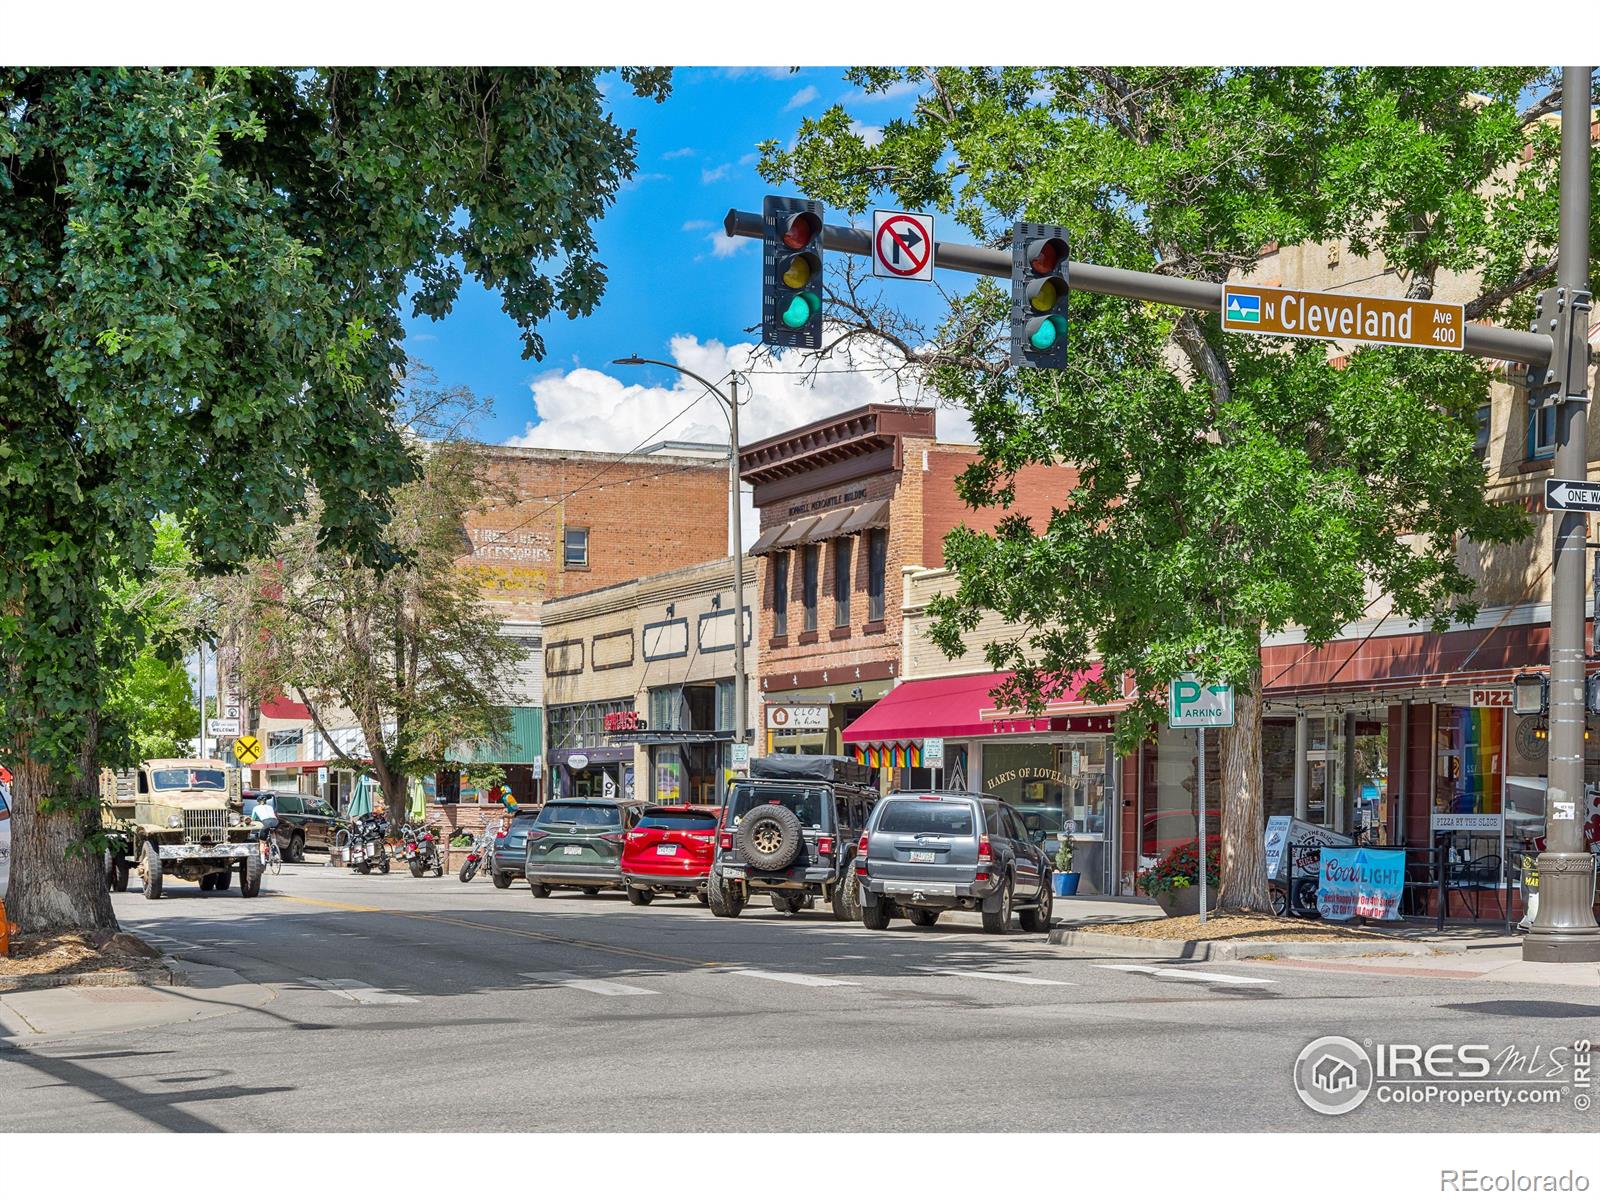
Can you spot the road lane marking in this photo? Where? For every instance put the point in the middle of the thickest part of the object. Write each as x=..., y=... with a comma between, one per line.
x=600, y=987
x=361, y=993
x=1027, y=979
x=1176, y=973
x=339, y=904
x=798, y=980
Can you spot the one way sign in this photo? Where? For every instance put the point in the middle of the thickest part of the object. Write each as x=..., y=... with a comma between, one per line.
x=1571, y=494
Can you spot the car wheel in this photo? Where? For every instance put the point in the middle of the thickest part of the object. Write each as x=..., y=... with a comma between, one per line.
x=785, y=904
x=221, y=883
x=591, y=891
x=541, y=891
x=875, y=916
x=640, y=897
x=924, y=916
x=502, y=880
x=297, y=848
x=1037, y=918
x=770, y=838
x=847, y=896
x=119, y=874
x=705, y=900
x=999, y=921
x=152, y=872
x=723, y=900
x=250, y=877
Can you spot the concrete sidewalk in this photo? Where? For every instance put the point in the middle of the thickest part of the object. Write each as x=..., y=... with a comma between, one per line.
x=32, y=1016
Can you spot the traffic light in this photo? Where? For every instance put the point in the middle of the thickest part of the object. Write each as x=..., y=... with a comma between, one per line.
x=791, y=272
x=1039, y=296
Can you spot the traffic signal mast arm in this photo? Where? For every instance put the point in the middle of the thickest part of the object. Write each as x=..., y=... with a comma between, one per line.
x=1484, y=341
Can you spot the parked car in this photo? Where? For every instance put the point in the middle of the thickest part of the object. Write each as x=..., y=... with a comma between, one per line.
x=923, y=854
x=670, y=850
x=510, y=852
x=305, y=821
x=578, y=843
x=789, y=831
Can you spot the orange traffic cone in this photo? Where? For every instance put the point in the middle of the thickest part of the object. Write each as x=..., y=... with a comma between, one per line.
x=5, y=930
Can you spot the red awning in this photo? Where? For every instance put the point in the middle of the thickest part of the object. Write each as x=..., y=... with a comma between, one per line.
x=282, y=708
x=961, y=706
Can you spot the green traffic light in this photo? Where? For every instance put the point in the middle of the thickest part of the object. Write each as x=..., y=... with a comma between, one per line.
x=1045, y=334
x=800, y=310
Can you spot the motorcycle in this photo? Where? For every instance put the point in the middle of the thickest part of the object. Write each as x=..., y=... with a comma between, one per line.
x=364, y=845
x=420, y=851
x=482, y=847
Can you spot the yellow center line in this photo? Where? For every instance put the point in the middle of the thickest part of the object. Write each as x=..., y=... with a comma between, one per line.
x=603, y=947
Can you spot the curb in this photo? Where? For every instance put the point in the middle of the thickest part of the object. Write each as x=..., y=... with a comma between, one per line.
x=145, y=977
x=1117, y=946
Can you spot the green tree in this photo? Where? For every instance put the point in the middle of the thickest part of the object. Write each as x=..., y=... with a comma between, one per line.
x=412, y=653
x=1228, y=487
x=155, y=700
x=201, y=279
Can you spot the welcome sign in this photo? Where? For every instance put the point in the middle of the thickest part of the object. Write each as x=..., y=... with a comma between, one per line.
x=1361, y=883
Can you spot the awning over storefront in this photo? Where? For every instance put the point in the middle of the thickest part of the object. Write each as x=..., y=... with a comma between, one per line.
x=867, y=516
x=961, y=706
x=834, y=523
x=795, y=533
x=768, y=541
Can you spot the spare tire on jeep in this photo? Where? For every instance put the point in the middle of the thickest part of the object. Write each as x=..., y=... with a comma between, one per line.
x=769, y=837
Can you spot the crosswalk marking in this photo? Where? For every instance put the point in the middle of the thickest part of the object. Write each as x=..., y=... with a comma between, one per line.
x=1003, y=978
x=1179, y=973
x=600, y=987
x=354, y=989
x=799, y=980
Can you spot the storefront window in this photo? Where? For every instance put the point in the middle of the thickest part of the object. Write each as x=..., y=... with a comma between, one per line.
x=1471, y=760
x=1277, y=766
x=1027, y=776
x=1171, y=795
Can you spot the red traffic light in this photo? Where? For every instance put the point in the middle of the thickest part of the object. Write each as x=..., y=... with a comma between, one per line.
x=1046, y=255
x=801, y=229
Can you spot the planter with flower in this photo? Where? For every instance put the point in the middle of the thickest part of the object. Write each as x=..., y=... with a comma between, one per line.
x=1172, y=880
x=1065, y=879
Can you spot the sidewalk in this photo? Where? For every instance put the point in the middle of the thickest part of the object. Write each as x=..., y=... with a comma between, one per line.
x=30, y=1016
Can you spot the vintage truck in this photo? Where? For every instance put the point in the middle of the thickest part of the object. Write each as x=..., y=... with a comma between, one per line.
x=179, y=818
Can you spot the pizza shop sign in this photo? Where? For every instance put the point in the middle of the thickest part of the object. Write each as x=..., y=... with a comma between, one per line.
x=1490, y=697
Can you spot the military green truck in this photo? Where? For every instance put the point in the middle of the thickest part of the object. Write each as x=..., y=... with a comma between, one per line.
x=179, y=818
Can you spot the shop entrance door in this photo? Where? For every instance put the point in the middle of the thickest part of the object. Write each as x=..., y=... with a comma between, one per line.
x=1087, y=813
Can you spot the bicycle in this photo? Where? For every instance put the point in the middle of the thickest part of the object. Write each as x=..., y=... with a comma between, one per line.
x=274, y=859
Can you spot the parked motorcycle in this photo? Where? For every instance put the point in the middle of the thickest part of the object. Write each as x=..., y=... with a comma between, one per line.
x=364, y=846
x=482, y=847
x=420, y=850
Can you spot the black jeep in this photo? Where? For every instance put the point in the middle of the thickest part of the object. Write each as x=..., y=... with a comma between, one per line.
x=790, y=830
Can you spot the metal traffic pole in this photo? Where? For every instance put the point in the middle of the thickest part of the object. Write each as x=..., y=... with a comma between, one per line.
x=1564, y=929
x=1200, y=738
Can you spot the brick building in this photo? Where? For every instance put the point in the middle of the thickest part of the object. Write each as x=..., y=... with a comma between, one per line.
x=848, y=504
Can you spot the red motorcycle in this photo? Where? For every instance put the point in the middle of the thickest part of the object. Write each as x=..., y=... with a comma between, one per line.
x=420, y=850
x=482, y=848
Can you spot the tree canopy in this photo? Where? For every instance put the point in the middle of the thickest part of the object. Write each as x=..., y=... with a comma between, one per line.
x=1228, y=487
x=202, y=275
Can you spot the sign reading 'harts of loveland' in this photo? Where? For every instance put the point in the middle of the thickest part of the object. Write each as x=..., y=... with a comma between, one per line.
x=1285, y=312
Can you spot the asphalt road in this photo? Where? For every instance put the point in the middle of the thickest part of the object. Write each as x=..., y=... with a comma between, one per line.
x=440, y=1006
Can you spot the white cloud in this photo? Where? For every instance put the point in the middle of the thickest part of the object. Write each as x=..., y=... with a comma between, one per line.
x=640, y=180
x=712, y=174
x=749, y=160
x=723, y=246
x=586, y=409
x=680, y=152
x=870, y=134
x=804, y=96
x=897, y=89
x=692, y=226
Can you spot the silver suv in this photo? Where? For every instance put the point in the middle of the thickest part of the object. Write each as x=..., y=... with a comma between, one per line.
x=924, y=853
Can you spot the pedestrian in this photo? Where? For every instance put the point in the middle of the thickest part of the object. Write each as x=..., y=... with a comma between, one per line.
x=266, y=814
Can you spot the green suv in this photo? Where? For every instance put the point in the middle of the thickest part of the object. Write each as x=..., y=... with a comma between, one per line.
x=578, y=844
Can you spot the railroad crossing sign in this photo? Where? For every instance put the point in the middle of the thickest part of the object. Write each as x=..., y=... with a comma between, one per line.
x=247, y=749
x=902, y=245
x=1332, y=317
x=1571, y=494
x=1195, y=705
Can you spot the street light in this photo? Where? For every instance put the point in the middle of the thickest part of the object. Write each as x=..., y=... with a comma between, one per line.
x=731, y=402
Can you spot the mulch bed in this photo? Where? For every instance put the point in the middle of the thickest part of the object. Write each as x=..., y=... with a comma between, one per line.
x=1239, y=927
x=67, y=954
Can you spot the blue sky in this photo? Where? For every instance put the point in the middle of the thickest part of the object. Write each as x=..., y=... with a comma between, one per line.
x=696, y=159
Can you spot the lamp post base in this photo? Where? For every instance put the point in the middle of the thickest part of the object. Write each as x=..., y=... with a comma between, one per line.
x=1564, y=930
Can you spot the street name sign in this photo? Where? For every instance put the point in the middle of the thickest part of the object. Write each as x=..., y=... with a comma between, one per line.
x=1334, y=317
x=247, y=749
x=1561, y=495
x=1195, y=705
x=902, y=245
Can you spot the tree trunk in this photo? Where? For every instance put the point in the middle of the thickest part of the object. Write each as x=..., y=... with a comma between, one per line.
x=1244, y=863
x=51, y=888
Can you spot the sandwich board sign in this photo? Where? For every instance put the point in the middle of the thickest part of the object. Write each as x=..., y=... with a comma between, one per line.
x=1192, y=704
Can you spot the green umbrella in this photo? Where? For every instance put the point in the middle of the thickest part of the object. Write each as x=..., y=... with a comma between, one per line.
x=361, y=797
x=419, y=800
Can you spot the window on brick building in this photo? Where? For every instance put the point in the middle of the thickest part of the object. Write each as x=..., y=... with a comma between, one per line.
x=780, y=595
x=877, y=571
x=1542, y=432
x=575, y=547
x=809, y=564
x=841, y=581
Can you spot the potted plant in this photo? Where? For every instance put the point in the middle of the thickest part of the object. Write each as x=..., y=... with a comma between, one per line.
x=1172, y=880
x=1065, y=879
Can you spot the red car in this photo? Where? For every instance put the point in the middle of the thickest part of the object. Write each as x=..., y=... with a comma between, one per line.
x=669, y=851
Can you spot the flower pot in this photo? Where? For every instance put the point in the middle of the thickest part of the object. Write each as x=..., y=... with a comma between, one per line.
x=1066, y=882
x=1180, y=902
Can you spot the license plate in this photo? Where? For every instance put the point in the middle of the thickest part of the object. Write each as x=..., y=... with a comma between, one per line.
x=922, y=856
x=733, y=872
x=667, y=850
x=572, y=849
